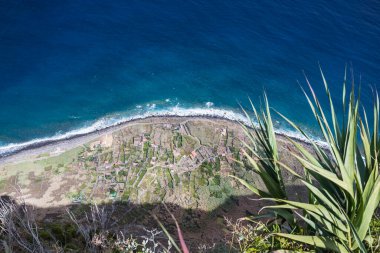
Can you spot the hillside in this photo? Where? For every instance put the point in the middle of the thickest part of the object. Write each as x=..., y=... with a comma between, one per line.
x=183, y=162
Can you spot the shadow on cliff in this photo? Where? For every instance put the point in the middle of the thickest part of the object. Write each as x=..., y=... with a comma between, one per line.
x=198, y=226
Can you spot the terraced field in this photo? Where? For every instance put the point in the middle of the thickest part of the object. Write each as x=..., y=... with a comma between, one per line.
x=183, y=162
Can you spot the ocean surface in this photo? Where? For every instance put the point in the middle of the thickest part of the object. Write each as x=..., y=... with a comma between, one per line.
x=69, y=67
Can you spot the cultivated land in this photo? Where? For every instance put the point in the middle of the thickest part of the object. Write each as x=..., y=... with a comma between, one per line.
x=184, y=162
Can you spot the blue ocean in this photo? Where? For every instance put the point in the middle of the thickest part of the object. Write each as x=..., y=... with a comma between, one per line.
x=73, y=66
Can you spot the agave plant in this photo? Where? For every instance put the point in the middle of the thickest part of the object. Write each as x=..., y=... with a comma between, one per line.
x=342, y=180
x=262, y=155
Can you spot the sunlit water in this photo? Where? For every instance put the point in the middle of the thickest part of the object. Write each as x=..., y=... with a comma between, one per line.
x=70, y=67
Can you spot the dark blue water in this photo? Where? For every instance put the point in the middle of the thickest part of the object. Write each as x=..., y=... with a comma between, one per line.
x=66, y=64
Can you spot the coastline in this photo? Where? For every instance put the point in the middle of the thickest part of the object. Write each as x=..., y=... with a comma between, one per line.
x=110, y=122
x=73, y=141
x=52, y=177
x=50, y=144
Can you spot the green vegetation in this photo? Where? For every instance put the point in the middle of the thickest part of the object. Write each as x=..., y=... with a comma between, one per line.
x=216, y=180
x=3, y=183
x=48, y=168
x=140, y=176
x=169, y=178
x=146, y=149
x=76, y=196
x=126, y=194
x=207, y=168
x=343, y=181
x=217, y=164
x=176, y=179
x=177, y=140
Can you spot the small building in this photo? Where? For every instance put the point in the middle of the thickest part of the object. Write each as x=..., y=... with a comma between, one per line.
x=193, y=154
x=120, y=186
x=137, y=141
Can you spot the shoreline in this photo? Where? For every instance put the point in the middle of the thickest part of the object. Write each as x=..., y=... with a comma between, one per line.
x=48, y=145
x=110, y=122
x=79, y=139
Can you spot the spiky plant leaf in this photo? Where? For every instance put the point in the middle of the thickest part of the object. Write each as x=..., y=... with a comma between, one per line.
x=316, y=241
x=342, y=180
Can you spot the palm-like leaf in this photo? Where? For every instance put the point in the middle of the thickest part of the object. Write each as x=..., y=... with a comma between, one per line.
x=262, y=156
x=343, y=181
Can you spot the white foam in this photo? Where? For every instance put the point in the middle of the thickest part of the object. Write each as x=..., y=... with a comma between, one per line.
x=209, y=104
x=172, y=111
x=151, y=106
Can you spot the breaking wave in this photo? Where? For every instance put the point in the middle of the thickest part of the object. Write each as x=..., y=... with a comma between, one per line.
x=112, y=121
